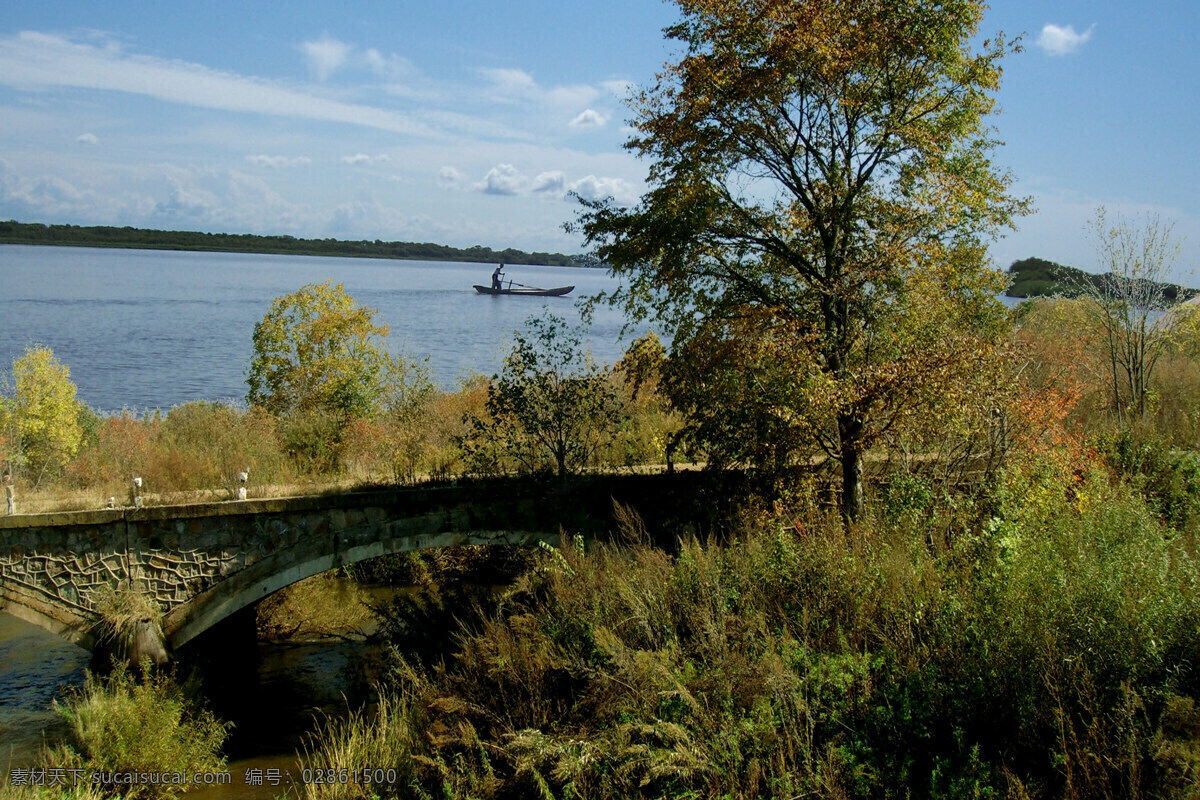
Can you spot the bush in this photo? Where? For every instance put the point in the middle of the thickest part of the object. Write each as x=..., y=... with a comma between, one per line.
x=1170, y=480
x=120, y=724
x=196, y=446
x=551, y=408
x=1048, y=651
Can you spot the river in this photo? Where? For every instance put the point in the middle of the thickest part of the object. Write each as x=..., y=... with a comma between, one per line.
x=275, y=695
x=146, y=329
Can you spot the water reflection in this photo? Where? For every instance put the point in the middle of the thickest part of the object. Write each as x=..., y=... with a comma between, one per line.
x=35, y=668
x=274, y=693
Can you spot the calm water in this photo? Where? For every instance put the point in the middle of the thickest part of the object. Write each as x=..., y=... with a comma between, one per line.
x=274, y=696
x=153, y=329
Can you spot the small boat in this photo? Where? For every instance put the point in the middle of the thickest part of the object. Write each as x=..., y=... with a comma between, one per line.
x=526, y=290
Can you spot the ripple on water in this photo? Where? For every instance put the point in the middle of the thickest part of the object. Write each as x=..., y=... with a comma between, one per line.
x=35, y=668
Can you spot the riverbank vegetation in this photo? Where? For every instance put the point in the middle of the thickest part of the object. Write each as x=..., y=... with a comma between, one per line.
x=131, y=736
x=1040, y=644
x=963, y=563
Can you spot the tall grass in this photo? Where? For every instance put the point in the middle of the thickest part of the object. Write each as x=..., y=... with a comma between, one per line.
x=120, y=724
x=1046, y=645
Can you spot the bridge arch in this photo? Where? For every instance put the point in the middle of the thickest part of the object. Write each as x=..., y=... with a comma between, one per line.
x=203, y=562
x=257, y=583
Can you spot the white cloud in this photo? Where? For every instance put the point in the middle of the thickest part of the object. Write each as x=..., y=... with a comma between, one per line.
x=390, y=66
x=503, y=179
x=619, y=89
x=39, y=61
x=553, y=182
x=325, y=56
x=87, y=138
x=363, y=158
x=278, y=162
x=593, y=188
x=449, y=178
x=589, y=119
x=1059, y=41
x=511, y=81
x=511, y=85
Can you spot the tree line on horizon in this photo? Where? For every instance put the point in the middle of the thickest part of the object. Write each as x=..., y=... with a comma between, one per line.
x=13, y=232
x=964, y=560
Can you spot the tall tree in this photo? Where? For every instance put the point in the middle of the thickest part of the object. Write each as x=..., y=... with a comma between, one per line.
x=318, y=350
x=1127, y=298
x=41, y=413
x=820, y=171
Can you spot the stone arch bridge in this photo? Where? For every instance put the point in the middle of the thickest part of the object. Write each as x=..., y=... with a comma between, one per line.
x=204, y=562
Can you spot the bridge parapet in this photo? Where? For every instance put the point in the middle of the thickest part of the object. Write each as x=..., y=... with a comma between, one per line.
x=203, y=562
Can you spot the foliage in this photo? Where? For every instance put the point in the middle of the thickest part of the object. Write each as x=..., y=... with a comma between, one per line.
x=1126, y=301
x=396, y=440
x=120, y=724
x=550, y=407
x=41, y=414
x=1169, y=480
x=643, y=363
x=648, y=430
x=1046, y=649
x=320, y=362
x=196, y=446
x=820, y=175
x=317, y=350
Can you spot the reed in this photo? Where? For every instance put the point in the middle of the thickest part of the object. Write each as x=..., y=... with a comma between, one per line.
x=1043, y=643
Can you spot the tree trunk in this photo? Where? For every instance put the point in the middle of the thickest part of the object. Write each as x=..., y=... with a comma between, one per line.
x=849, y=429
x=852, y=484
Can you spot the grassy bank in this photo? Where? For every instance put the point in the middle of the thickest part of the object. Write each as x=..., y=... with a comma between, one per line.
x=196, y=452
x=126, y=725
x=1044, y=643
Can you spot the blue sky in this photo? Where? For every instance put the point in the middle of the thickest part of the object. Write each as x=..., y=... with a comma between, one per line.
x=468, y=123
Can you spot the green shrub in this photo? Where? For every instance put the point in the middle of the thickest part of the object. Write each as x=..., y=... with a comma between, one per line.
x=1169, y=479
x=121, y=724
x=1049, y=651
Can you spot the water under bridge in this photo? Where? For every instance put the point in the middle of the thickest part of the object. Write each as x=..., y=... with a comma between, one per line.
x=204, y=562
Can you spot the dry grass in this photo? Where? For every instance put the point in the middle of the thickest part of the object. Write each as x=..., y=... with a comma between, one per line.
x=53, y=500
x=1044, y=645
x=320, y=607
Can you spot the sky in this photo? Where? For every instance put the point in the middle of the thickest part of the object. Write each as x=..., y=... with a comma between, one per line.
x=468, y=122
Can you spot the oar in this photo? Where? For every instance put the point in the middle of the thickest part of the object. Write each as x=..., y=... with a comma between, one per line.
x=523, y=286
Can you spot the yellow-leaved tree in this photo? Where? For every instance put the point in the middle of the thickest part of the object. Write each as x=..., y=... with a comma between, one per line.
x=40, y=415
x=320, y=362
x=814, y=236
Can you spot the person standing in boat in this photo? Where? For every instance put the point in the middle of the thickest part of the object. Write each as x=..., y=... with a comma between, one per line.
x=496, y=276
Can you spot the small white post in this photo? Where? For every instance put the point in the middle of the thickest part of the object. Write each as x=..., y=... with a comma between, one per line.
x=12, y=501
x=137, y=492
x=243, y=476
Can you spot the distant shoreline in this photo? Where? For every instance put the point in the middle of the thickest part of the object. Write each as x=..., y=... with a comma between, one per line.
x=1037, y=277
x=36, y=234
